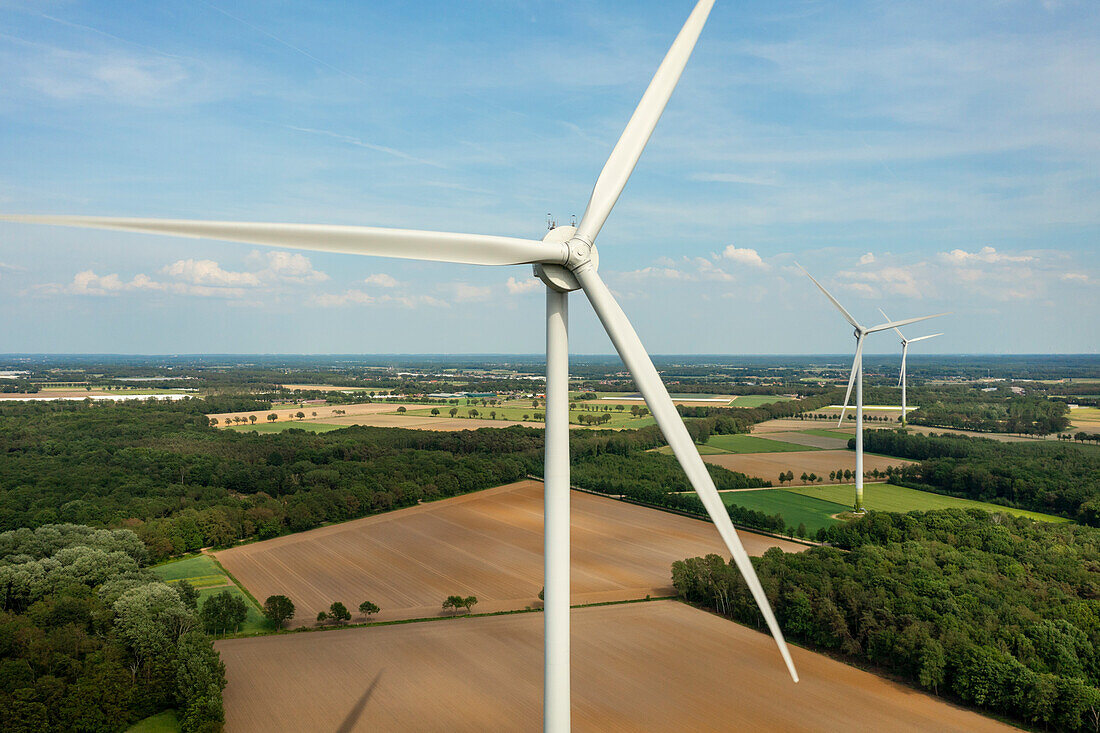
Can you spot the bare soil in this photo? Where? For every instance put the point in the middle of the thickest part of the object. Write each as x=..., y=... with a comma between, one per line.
x=769, y=465
x=659, y=666
x=487, y=544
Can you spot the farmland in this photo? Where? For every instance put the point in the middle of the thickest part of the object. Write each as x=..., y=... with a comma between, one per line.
x=740, y=443
x=769, y=465
x=643, y=666
x=796, y=509
x=487, y=544
x=204, y=574
x=890, y=498
x=816, y=506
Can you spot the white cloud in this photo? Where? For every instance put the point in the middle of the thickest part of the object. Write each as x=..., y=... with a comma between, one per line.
x=867, y=259
x=1075, y=277
x=515, y=287
x=467, y=293
x=710, y=271
x=986, y=254
x=89, y=283
x=208, y=272
x=382, y=280
x=283, y=266
x=895, y=280
x=663, y=273
x=359, y=297
x=744, y=256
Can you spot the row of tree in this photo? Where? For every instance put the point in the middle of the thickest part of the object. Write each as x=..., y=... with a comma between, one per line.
x=995, y=611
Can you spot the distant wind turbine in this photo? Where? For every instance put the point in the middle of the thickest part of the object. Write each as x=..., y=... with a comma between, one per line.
x=565, y=260
x=861, y=333
x=903, y=376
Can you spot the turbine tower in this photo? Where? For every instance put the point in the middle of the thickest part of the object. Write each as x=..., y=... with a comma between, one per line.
x=861, y=332
x=565, y=260
x=903, y=376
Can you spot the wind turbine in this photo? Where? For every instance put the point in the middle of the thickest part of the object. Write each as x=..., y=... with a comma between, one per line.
x=903, y=376
x=861, y=332
x=565, y=260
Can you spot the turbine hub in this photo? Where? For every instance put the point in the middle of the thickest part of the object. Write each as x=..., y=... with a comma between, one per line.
x=560, y=277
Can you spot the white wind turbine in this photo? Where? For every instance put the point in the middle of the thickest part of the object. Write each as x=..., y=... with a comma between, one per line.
x=565, y=260
x=903, y=376
x=861, y=333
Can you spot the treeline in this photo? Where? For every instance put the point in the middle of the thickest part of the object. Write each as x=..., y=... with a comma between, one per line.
x=726, y=420
x=1052, y=477
x=91, y=641
x=995, y=611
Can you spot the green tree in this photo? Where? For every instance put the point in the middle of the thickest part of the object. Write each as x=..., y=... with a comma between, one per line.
x=222, y=612
x=278, y=609
x=339, y=612
x=188, y=593
x=368, y=609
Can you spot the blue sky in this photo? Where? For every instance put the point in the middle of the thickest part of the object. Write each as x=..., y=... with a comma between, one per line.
x=918, y=157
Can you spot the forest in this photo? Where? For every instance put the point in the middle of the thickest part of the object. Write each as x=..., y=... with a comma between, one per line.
x=159, y=469
x=1044, y=476
x=993, y=611
x=1025, y=415
x=91, y=641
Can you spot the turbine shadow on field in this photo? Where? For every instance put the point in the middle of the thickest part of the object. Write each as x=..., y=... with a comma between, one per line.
x=356, y=711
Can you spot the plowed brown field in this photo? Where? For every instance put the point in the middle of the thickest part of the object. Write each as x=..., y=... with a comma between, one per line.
x=660, y=666
x=487, y=544
x=769, y=465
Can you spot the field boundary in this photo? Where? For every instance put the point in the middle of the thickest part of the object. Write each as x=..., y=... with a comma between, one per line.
x=424, y=619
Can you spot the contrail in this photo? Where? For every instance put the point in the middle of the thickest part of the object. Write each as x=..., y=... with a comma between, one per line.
x=291, y=46
x=364, y=144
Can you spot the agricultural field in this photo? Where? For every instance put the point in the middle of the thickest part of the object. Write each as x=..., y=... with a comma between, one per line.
x=795, y=509
x=740, y=443
x=660, y=665
x=884, y=497
x=817, y=506
x=507, y=414
x=487, y=544
x=202, y=572
x=278, y=427
x=768, y=466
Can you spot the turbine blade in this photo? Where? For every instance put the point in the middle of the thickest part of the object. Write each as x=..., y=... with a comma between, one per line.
x=880, y=310
x=656, y=397
x=922, y=338
x=470, y=249
x=851, y=380
x=895, y=324
x=616, y=171
x=829, y=295
x=901, y=375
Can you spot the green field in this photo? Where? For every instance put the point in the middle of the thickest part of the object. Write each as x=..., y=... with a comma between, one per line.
x=890, y=498
x=755, y=400
x=280, y=426
x=795, y=509
x=826, y=433
x=208, y=577
x=741, y=443
x=165, y=722
x=189, y=567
